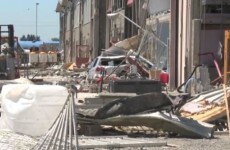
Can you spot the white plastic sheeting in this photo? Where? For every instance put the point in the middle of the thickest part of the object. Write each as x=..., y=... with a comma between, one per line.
x=31, y=109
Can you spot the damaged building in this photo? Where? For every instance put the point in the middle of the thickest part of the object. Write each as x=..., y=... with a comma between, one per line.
x=153, y=67
x=185, y=30
x=185, y=38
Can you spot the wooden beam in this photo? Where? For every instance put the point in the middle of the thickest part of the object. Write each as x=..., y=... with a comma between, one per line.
x=226, y=54
x=209, y=115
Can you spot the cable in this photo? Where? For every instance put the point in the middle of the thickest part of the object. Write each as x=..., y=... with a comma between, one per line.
x=178, y=89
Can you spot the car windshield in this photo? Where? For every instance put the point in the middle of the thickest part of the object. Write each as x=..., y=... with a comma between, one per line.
x=112, y=62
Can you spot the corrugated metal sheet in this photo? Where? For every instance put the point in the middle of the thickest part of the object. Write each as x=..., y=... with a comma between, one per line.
x=207, y=106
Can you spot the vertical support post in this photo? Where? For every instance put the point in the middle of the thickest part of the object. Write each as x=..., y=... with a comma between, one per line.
x=0, y=38
x=71, y=32
x=226, y=60
x=96, y=29
x=195, y=47
x=108, y=25
x=102, y=25
x=193, y=58
x=64, y=36
x=172, y=45
x=107, y=39
x=194, y=28
x=156, y=43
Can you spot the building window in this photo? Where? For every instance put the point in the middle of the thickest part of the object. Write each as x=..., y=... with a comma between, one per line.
x=118, y=4
x=109, y=5
x=217, y=9
x=86, y=11
x=68, y=21
x=77, y=16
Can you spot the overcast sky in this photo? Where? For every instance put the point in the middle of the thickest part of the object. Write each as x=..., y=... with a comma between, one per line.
x=22, y=14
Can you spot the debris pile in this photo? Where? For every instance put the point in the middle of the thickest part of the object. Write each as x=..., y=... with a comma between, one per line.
x=207, y=107
x=63, y=132
x=149, y=110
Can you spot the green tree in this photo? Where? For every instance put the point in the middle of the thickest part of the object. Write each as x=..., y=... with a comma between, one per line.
x=23, y=38
x=55, y=39
x=30, y=37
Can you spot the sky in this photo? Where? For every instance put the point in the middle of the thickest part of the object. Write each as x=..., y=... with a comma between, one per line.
x=22, y=14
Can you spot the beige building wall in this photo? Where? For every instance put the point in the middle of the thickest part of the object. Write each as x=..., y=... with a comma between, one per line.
x=82, y=36
x=86, y=38
x=67, y=38
x=183, y=43
x=75, y=40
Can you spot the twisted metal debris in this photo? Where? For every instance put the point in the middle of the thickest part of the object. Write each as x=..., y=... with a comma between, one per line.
x=63, y=132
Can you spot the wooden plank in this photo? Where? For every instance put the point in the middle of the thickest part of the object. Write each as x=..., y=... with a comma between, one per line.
x=226, y=53
x=208, y=115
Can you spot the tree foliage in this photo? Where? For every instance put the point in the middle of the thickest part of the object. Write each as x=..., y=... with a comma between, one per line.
x=55, y=39
x=30, y=37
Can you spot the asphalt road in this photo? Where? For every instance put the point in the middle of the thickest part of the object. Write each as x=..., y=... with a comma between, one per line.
x=218, y=143
x=12, y=141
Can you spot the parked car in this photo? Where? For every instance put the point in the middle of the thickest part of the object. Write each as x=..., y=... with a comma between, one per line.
x=107, y=63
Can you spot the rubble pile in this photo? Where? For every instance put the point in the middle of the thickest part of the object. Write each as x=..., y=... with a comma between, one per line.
x=208, y=107
x=120, y=94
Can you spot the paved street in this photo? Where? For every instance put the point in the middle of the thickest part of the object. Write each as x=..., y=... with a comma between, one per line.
x=12, y=141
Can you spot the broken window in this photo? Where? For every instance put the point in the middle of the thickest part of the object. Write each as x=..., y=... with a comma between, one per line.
x=117, y=4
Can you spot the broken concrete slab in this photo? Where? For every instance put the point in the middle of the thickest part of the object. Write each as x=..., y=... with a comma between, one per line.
x=132, y=105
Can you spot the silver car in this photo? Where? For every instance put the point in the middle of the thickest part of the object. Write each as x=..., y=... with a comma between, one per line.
x=107, y=63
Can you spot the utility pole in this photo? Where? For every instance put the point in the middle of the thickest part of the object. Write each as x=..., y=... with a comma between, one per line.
x=36, y=20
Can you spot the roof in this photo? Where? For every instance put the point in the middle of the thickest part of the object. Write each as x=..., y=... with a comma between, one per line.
x=29, y=44
x=51, y=42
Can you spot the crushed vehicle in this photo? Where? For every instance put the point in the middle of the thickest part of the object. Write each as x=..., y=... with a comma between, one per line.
x=107, y=64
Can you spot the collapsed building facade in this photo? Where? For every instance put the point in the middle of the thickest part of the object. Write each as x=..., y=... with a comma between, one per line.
x=188, y=29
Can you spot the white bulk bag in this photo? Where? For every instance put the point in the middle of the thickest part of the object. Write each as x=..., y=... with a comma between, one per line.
x=31, y=109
